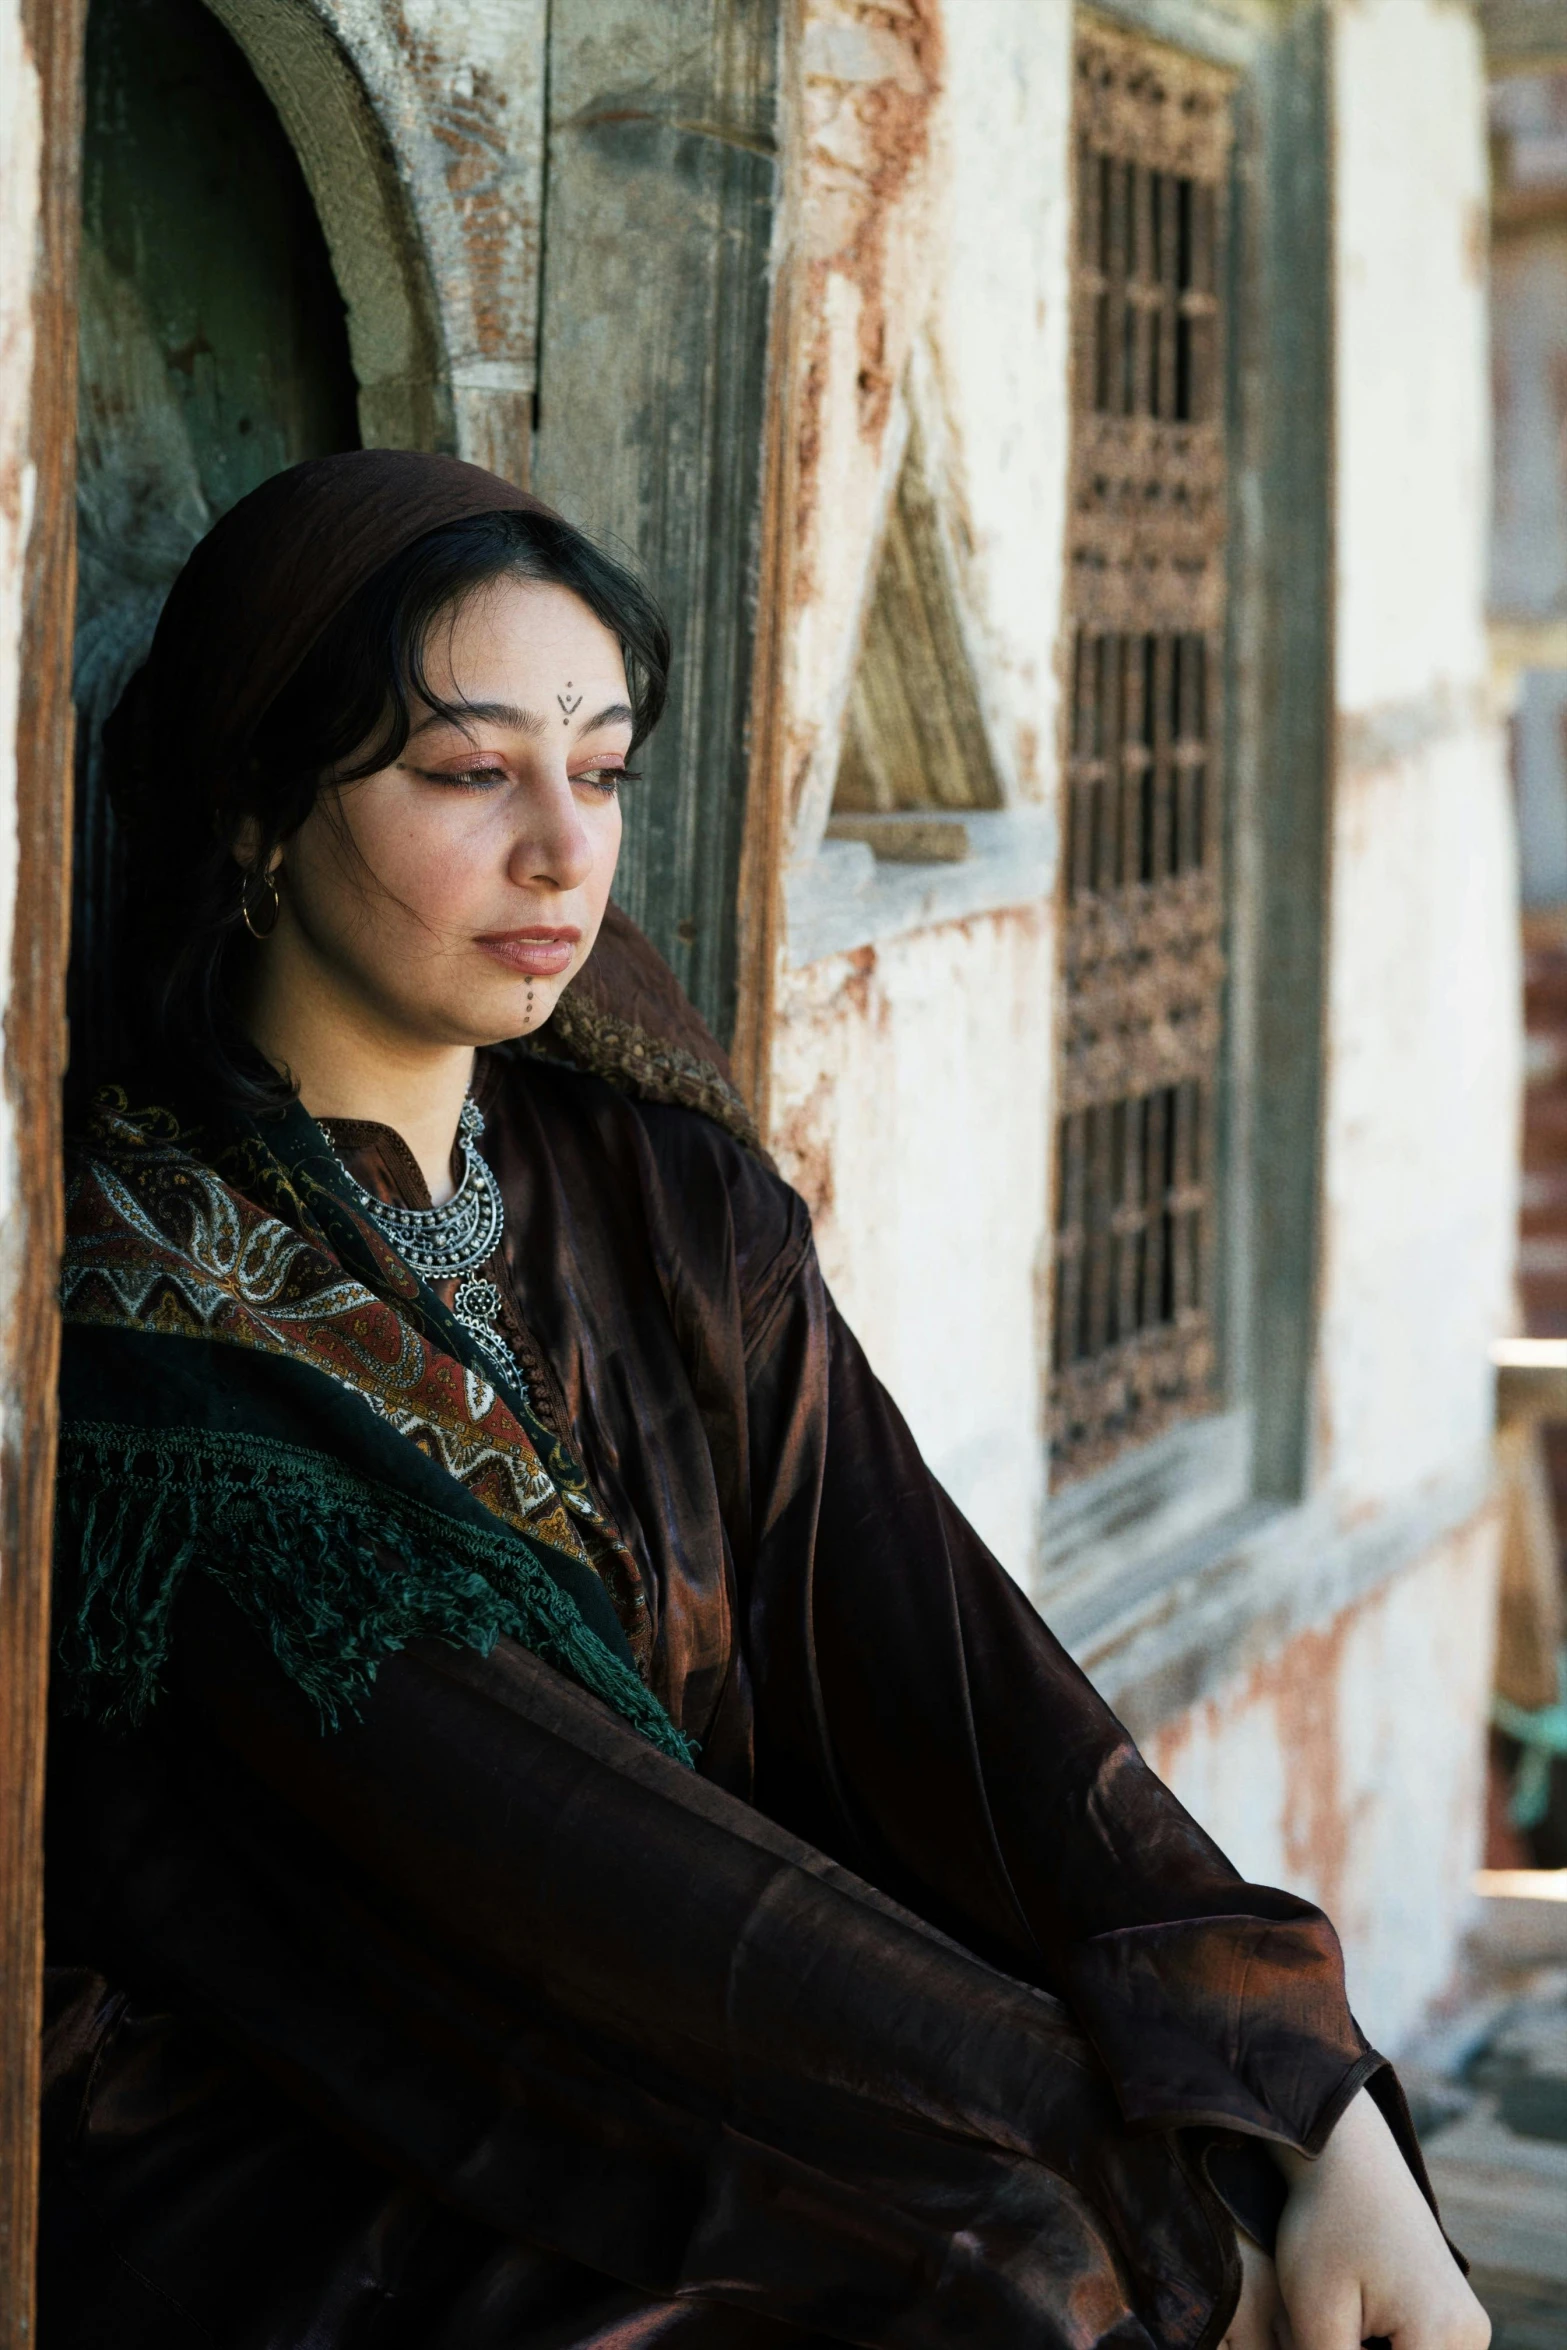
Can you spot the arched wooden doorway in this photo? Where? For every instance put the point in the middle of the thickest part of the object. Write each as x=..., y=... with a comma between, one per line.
x=213, y=350
x=431, y=161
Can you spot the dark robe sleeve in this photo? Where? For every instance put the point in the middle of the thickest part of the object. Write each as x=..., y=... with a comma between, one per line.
x=497, y=1943
x=916, y=1718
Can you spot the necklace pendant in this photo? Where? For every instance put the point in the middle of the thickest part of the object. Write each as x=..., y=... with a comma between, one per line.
x=477, y=1306
x=453, y=1241
x=477, y=1301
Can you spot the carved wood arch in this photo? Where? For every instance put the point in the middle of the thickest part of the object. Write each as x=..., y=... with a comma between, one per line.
x=424, y=158
x=394, y=330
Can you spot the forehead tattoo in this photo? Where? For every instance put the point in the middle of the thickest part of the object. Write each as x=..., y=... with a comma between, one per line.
x=570, y=703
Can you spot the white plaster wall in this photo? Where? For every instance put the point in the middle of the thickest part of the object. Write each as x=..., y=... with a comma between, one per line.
x=1413, y=403
x=917, y=1075
x=1347, y=1769
x=869, y=239
x=992, y=364
x=1424, y=1015
x=933, y=211
x=911, y=1084
x=1422, y=1105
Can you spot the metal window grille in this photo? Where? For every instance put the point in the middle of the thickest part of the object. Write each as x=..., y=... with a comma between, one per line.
x=1142, y=960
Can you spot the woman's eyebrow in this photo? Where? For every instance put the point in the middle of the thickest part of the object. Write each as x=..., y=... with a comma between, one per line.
x=614, y=714
x=520, y=721
x=488, y=713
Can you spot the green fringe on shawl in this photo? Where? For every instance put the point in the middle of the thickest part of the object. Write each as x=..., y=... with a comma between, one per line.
x=334, y=1572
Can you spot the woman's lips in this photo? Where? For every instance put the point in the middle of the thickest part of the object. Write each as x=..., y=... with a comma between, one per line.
x=537, y=954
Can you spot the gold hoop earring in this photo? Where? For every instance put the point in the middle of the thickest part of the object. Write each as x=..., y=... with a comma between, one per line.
x=271, y=888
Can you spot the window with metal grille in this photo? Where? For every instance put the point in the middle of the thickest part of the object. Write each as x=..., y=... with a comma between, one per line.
x=1142, y=958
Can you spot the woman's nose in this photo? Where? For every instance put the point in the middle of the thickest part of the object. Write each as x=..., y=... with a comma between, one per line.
x=553, y=845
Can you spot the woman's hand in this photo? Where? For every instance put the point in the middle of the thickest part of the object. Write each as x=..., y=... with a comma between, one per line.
x=1359, y=2255
x=1259, y=2322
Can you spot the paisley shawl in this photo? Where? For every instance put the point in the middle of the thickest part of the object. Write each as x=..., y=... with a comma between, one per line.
x=256, y=1387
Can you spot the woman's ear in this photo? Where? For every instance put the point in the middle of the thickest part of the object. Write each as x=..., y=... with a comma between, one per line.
x=246, y=847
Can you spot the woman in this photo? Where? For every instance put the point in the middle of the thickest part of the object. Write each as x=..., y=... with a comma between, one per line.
x=560, y=1834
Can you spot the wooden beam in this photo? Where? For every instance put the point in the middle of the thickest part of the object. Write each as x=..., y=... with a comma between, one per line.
x=34, y=1065
x=759, y=885
x=1515, y=211
x=1531, y=1379
x=1524, y=36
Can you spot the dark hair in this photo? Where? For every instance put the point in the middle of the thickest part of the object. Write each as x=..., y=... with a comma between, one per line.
x=346, y=712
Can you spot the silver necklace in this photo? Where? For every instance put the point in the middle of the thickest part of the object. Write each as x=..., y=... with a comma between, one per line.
x=450, y=1242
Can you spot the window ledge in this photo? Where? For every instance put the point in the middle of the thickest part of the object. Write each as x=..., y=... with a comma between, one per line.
x=1166, y=1634
x=846, y=897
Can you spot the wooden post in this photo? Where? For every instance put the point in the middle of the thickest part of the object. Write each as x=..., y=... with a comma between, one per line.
x=760, y=884
x=34, y=1064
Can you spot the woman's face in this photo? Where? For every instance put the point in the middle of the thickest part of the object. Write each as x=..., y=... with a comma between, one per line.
x=448, y=898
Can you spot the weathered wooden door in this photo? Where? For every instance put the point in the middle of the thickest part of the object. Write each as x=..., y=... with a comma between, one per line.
x=659, y=203
x=213, y=351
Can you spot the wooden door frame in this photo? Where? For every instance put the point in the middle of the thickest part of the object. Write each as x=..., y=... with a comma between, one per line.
x=52, y=31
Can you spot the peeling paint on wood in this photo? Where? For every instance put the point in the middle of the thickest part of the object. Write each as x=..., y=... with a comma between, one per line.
x=40, y=67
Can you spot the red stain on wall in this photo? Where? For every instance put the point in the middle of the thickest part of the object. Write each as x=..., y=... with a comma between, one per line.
x=1300, y=1688
x=892, y=116
x=856, y=989
x=802, y=1143
x=1303, y=1688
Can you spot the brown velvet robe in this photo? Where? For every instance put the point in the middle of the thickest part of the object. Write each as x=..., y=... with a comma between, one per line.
x=921, y=2013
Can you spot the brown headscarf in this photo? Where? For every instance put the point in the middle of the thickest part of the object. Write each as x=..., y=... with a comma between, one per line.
x=260, y=589
x=253, y=598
